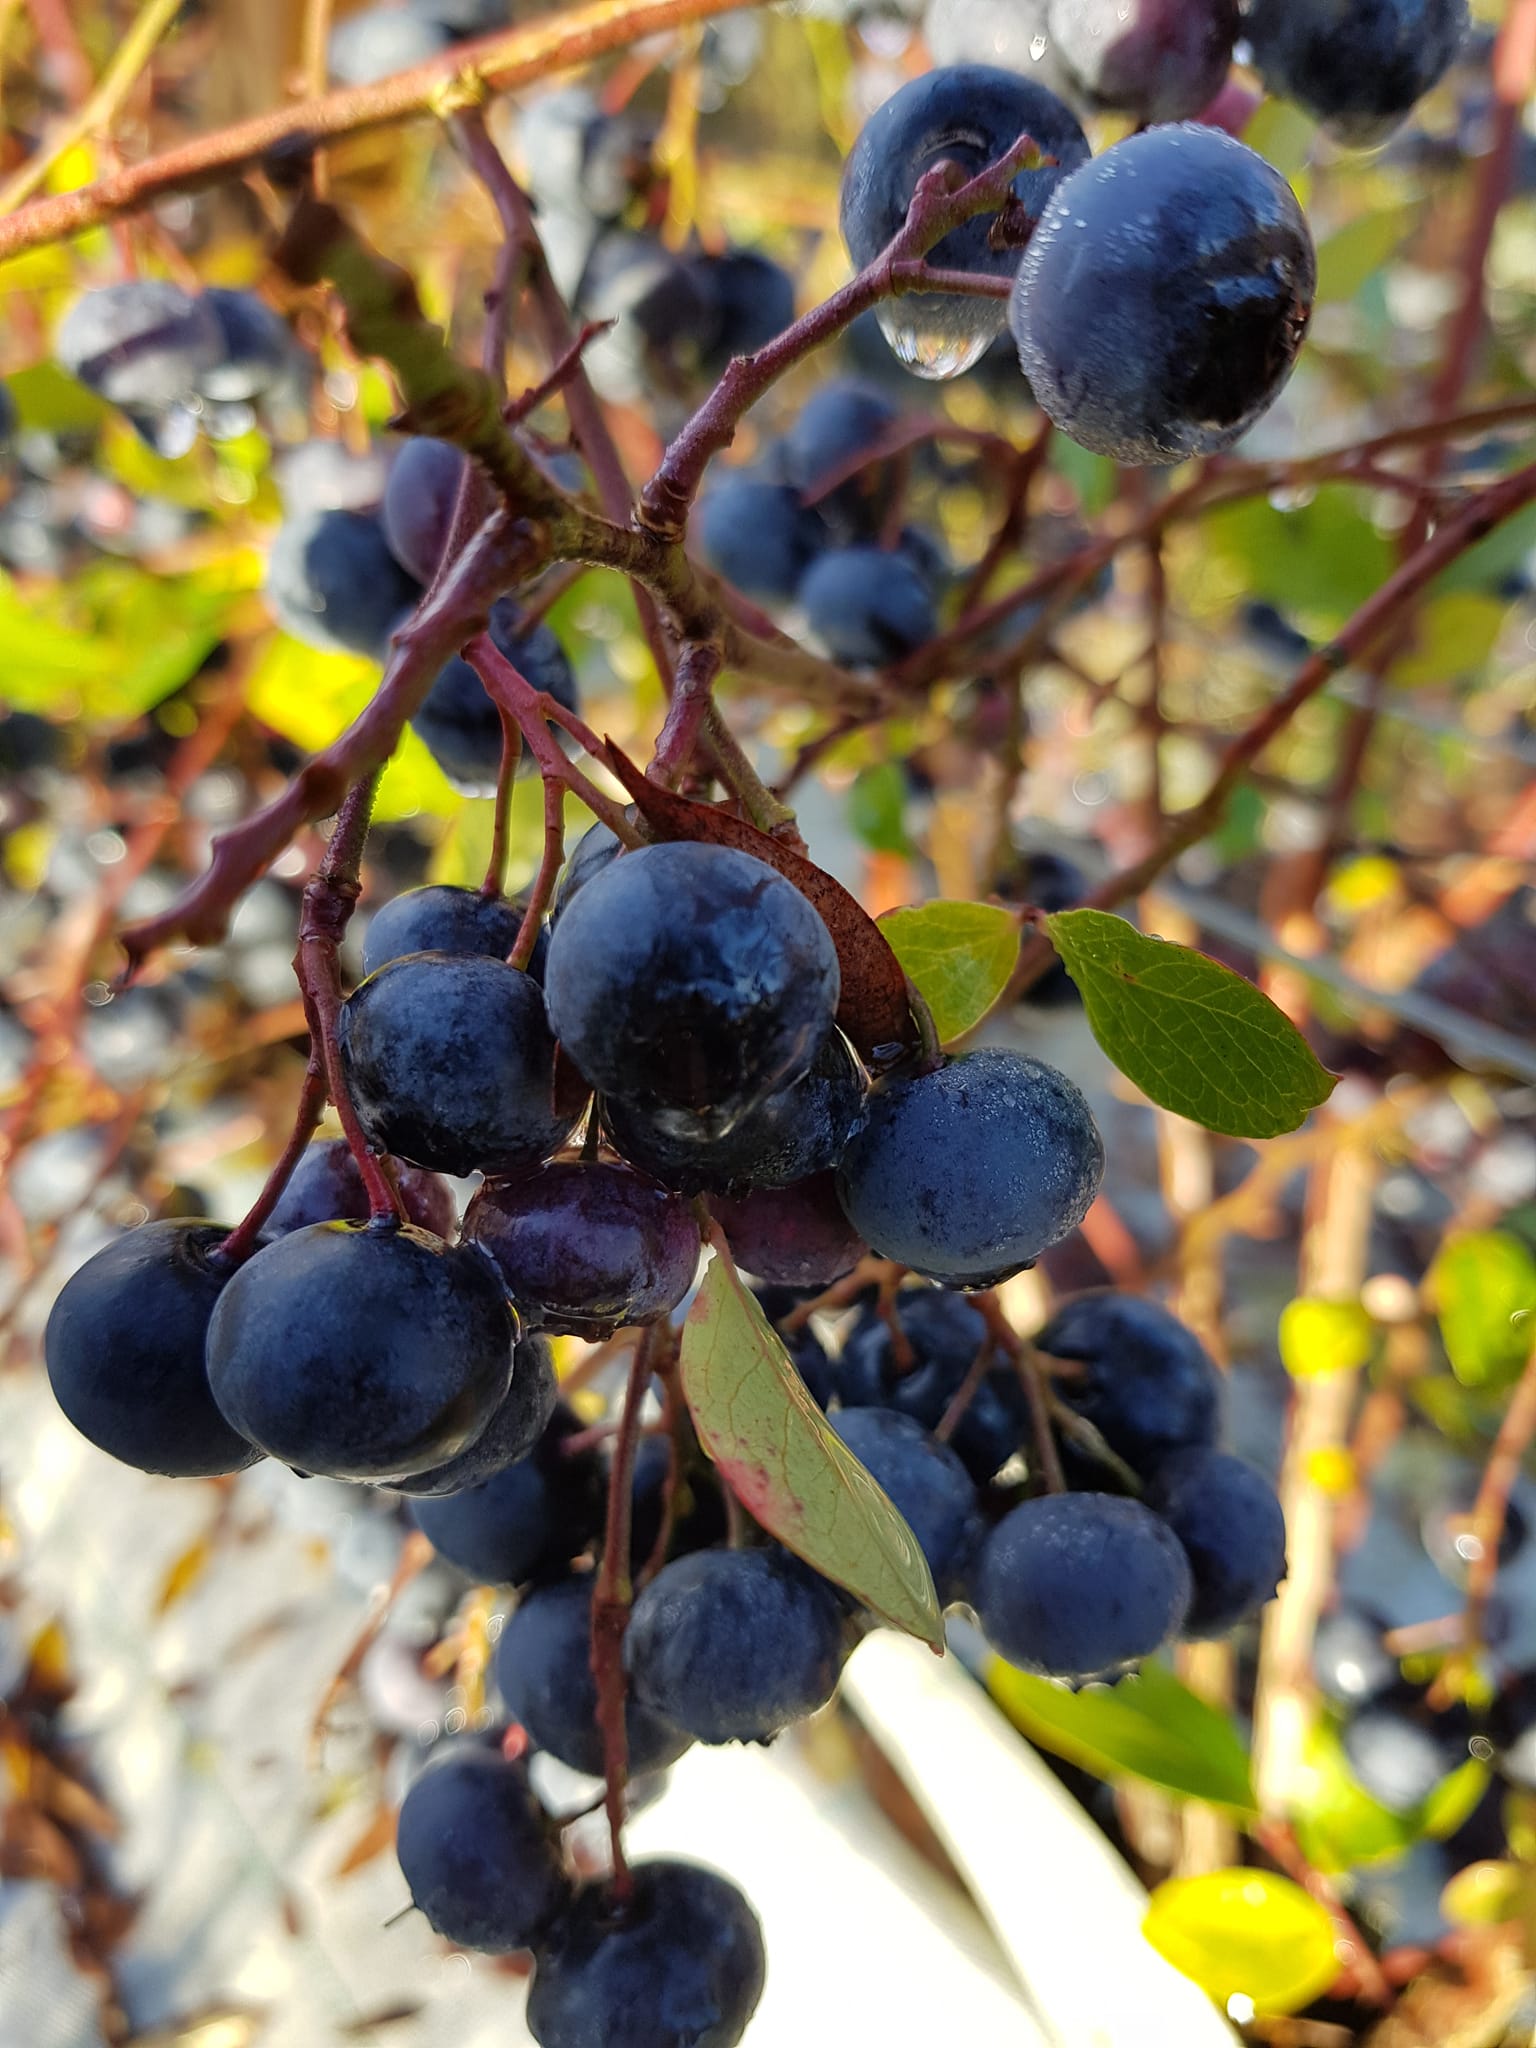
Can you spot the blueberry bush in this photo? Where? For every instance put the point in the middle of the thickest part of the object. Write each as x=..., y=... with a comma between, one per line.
x=765, y=863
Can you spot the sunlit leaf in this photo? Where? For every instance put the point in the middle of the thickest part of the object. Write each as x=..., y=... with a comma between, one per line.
x=1245, y=1934
x=1150, y=1727
x=1194, y=1037
x=877, y=807
x=1349, y=256
x=1483, y=1287
x=1319, y=1337
x=785, y=1464
x=1453, y=637
x=958, y=956
x=1322, y=558
x=1483, y=1895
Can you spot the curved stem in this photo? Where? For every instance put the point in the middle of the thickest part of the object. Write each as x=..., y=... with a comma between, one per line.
x=549, y=867
x=244, y=1239
x=611, y=1597
x=511, y=757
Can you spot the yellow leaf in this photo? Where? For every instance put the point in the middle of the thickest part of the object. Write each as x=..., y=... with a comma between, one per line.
x=1245, y=1935
x=1319, y=1337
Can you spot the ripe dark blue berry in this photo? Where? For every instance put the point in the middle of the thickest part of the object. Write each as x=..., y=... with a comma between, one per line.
x=544, y=1672
x=1080, y=1585
x=596, y=847
x=327, y=1187
x=125, y=1348
x=927, y=1482
x=691, y=981
x=1399, y=1750
x=1161, y=60
x=970, y=115
x=418, y=503
x=945, y=1334
x=510, y=1435
x=255, y=349
x=797, y=1131
x=526, y=1521
x=734, y=1645
x=797, y=1236
x=460, y=725
x=1359, y=69
x=1163, y=298
x=967, y=1173
x=868, y=606
x=1351, y=1663
x=478, y=1855
x=679, y=1966
x=361, y=1352
x=1147, y=1383
x=584, y=1247
x=143, y=343
x=1230, y=1523
x=751, y=300
x=758, y=535
x=332, y=583
x=839, y=423
x=442, y=919
x=452, y=1064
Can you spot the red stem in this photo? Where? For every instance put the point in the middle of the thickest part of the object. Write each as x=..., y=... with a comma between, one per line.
x=244, y=1239
x=506, y=775
x=611, y=1598
x=697, y=668
x=532, y=710
x=549, y=867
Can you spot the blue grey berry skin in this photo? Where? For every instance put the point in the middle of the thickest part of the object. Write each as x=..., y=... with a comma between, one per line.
x=691, y=982
x=256, y=348
x=511, y=1434
x=544, y=1673
x=927, y=1483
x=970, y=115
x=1232, y=1527
x=478, y=1855
x=1359, y=69
x=1144, y=1379
x=125, y=1350
x=360, y=1351
x=333, y=583
x=680, y=1966
x=529, y=1520
x=758, y=536
x=440, y=918
x=419, y=498
x=457, y=721
x=451, y=1063
x=868, y=606
x=1164, y=296
x=142, y=343
x=1080, y=1585
x=968, y=1173
x=945, y=1332
x=1161, y=60
x=734, y=1645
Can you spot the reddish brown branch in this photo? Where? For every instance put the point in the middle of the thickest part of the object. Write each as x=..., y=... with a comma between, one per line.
x=549, y=868
x=611, y=1597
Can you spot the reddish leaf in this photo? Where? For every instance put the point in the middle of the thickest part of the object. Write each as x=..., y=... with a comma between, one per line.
x=874, y=1010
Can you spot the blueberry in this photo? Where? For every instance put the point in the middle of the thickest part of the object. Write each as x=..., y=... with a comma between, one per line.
x=699, y=1518
x=680, y=1966
x=332, y=583
x=691, y=981
x=379, y=41
x=797, y=1236
x=327, y=1187
x=477, y=1854
x=758, y=536
x=515, y=1427
x=419, y=498
x=1230, y=1523
x=526, y=1521
x=970, y=115
x=1358, y=69
x=1147, y=1383
x=795, y=1132
x=256, y=348
x=584, y=1248
x=660, y=309
x=1159, y=60
x=125, y=1345
x=596, y=847
x=451, y=1064
x=945, y=1334
x=544, y=1672
x=1080, y=1585
x=734, y=1645
x=839, y=423
x=361, y=1352
x=1161, y=303
x=1350, y=1661
x=927, y=1483
x=458, y=722
x=967, y=1173
x=443, y=919
x=752, y=300
x=580, y=160
x=143, y=343
x=868, y=606
x=1399, y=1750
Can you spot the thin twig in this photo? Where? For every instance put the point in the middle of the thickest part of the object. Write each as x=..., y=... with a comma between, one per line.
x=244, y=1239
x=506, y=775
x=549, y=869
x=611, y=1597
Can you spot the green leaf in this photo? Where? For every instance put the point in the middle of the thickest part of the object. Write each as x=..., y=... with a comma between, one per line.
x=1149, y=1727
x=1245, y=1934
x=1322, y=558
x=877, y=806
x=1346, y=259
x=1483, y=1286
x=1319, y=1337
x=958, y=956
x=1453, y=637
x=1194, y=1037
x=787, y=1466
